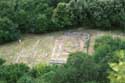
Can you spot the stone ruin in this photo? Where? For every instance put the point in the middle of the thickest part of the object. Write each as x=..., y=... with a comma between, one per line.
x=68, y=43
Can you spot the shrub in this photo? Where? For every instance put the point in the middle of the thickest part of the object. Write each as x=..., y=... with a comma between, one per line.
x=41, y=80
x=11, y=73
x=80, y=68
x=117, y=75
x=100, y=12
x=2, y=61
x=120, y=55
x=39, y=70
x=80, y=11
x=62, y=16
x=39, y=20
x=8, y=31
x=26, y=79
x=108, y=14
x=23, y=19
x=118, y=14
x=108, y=50
x=42, y=70
x=7, y=8
x=1, y=81
x=42, y=24
x=115, y=43
x=90, y=82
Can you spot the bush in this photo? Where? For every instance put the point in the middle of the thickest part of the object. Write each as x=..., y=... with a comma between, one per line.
x=108, y=50
x=23, y=20
x=108, y=14
x=98, y=14
x=80, y=68
x=1, y=81
x=42, y=24
x=115, y=42
x=105, y=47
x=79, y=9
x=117, y=75
x=26, y=79
x=39, y=20
x=2, y=61
x=62, y=17
x=11, y=73
x=40, y=69
x=7, y=8
x=8, y=31
x=90, y=82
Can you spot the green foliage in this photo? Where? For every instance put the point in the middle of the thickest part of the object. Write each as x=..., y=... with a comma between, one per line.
x=117, y=75
x=62, y=16
x=99, y=14
x=11, y=73
x=40, y=16
x=2, y=61
x=26, y=79
x=106, y=65
x=40, y=69
x=42, y=24
x=79, y=8
x=23, y=20
x=105, y=47
x=37, y=15
x=104, y=14
x=108, y=50
x=90, y=82
x=120, y=55
x=7, y=8
x=40, y=80
x=1, y=81
x=8, y=30
x=80, y=68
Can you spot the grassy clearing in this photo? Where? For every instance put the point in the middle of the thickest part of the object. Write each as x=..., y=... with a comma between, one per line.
x=38, y=48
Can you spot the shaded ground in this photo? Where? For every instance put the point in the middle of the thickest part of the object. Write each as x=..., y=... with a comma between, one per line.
x=32, y=49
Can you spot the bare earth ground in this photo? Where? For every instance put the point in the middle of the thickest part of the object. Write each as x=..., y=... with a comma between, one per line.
x=52, y=47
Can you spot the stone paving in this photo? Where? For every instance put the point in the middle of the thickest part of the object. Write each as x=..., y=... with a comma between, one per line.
x=68, y=43
x=64, y=44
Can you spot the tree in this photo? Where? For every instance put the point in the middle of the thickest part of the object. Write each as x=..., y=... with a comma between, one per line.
x=8, y=30
x=62, y=17
x=80, y=68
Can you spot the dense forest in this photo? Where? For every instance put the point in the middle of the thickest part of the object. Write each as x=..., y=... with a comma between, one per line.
x=105, y=65
x=40, y=16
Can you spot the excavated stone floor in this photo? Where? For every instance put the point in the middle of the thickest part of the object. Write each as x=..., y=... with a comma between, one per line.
x=52, y=47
